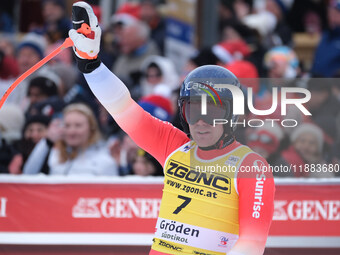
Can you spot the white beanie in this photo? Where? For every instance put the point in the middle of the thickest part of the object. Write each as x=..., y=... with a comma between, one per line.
x=264, y=22
x=311, y=129
x=274, y=129
x=12, y=120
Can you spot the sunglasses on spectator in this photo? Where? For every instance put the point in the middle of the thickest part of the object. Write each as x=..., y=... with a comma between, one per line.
x=263, y=138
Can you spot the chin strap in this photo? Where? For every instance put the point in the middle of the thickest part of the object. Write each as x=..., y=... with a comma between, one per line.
x=223, y=142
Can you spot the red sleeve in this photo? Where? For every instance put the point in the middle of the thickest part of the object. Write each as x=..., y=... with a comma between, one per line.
x=159, y=138
x=256, y=190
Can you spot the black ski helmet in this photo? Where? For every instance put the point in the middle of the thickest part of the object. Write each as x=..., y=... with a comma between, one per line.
x=204, y=80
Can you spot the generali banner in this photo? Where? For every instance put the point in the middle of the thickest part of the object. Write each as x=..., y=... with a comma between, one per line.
x=123, y=211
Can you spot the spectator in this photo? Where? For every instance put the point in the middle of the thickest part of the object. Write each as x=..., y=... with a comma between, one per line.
x=263, y=21
x=282, y=34
x=8, y=67
x=110, y=46
x=308, y=16
x=282, y=62
x=327, y=55
x=225, y=10
x=56, y=24
x=158, y=106
x=34, y=130
x=124, y=151
x=266, y=141
x=43, y=148
x=67, y=75
x=130, y=8
x=242, y=8
x=80, y=151
x=248, y=77
x=246, y=72
x=231, y=50
x=7, y=157
x=29, y=52
x=135, y=46
x=282, y=67
x=64, y=57
x=146, y=165
x=11, y=122
x=271, y=24
x=205, y=56
x=306, y=151
x=40, y=88
x=55, y=28
x=222, y=53
x=234, y=30
x=9, y=70
x=158, y=70
x=50, y=107
x=324, y=107
x=8, y=45
x=157, y=24
x=69, y=89
x=43, y=95
x=36, y=127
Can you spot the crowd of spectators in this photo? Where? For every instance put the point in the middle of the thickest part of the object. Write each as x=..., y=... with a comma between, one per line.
x=52, y=123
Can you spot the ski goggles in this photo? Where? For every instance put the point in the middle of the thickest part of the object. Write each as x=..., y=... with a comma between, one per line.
x=192, y=111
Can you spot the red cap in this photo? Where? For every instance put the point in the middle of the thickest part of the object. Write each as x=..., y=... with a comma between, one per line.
x=247, y=71
x=236, y=46
x=9, y=68
x=269, y=146
x=159, y=101
x=132, y=9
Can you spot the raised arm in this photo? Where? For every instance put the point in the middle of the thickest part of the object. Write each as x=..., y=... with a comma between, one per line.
x=157, y=137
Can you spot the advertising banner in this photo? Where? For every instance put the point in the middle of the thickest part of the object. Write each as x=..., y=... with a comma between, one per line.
x=123, y=211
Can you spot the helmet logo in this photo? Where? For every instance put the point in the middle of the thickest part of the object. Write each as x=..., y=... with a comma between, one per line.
x=237, y=94
x=209, y=93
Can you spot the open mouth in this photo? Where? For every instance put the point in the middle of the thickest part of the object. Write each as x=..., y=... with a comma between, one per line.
x=202, y=132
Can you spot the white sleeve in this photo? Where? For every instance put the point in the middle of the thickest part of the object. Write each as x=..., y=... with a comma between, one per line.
x=37, y=158
x=108, y=88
